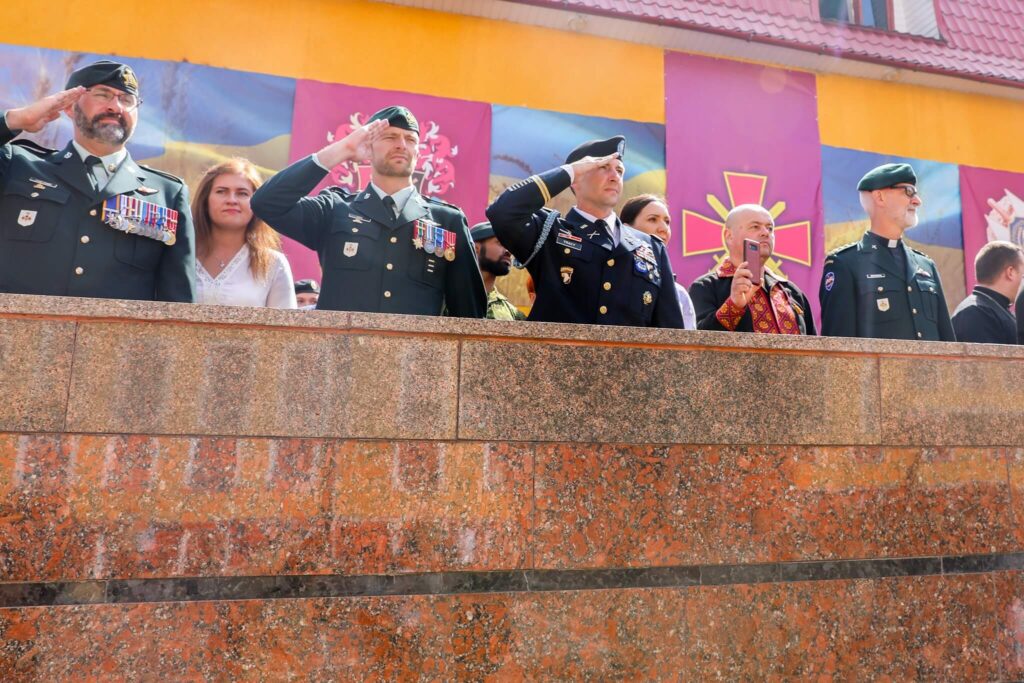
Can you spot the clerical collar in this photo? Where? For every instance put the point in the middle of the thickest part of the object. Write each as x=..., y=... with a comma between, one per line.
x=110, y=161
x=878, y=239
x=993, y=295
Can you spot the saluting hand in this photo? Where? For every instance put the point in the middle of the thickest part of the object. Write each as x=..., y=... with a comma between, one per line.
x=589, y=164
x=353, y=147
x=35, y=116
x=742, y=285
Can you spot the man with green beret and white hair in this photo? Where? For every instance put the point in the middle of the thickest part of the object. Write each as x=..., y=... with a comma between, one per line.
x=879, y=287
x=88, y=220
x=386, y=248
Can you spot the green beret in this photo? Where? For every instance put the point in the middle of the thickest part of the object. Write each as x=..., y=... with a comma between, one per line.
x=481, y=231
x=397, y=116
x=887, y=175
x=119, y=76
x=598, y=148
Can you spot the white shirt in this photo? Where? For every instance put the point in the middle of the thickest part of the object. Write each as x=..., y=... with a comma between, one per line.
x=235, y=285
x=686, y=306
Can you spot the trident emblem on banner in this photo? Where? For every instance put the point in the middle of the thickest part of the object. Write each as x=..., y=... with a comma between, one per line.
x=703, y=235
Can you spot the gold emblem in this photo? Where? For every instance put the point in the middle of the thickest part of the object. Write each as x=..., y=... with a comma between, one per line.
x=883, y=305
x=128, y=78
x=566, y=274
x=417, y=242
x=648, y=298
x=449, y=254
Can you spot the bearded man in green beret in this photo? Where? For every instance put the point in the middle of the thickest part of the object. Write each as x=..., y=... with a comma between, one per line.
x=386, y=248
x=88, y=220
x=879, y=287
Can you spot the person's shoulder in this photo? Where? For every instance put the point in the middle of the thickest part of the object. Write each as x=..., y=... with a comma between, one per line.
x=335, y=191
x=442, y=206
x=33, y=148
x=968, y=306
x=162, y=176
x=921, y=256
x=842, y=252
x=706, y=280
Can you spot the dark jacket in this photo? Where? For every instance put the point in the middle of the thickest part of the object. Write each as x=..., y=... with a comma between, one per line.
x=53, y=239
x=710, y=291
x=984, y=318
x=579, y=275
x=369, y=259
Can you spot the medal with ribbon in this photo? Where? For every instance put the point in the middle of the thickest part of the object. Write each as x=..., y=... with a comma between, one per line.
x=433, y=239
x=139, y=217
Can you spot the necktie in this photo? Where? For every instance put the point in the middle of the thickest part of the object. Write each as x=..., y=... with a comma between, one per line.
x=389, y=202
x=602, y=225
x=97, y=176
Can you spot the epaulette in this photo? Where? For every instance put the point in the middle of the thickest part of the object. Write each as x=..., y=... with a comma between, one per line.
x=435, y=200
x=34, y=147
x=340, y=191
x=165, y=174
x=921, y=253
x=845, y=247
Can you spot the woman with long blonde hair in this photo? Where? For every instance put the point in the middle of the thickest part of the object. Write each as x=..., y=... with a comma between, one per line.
x=238, y=257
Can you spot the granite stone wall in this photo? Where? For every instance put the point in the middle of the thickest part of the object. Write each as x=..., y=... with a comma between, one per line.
x=208, y=493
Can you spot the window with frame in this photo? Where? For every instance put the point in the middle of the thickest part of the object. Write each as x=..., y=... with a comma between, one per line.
x=916, y=17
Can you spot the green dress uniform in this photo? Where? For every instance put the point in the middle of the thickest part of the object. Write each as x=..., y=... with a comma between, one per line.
x=60, y=234
x=868, y=289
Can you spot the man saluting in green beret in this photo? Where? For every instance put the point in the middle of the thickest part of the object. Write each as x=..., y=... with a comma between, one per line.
x=386, y=248
x=88, y=220
x=879, y=287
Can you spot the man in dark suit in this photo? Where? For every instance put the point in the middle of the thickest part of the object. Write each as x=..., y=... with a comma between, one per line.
x=384, y=249
x=587, y=267
x=984, y=317
x=878, y=287
x=88, y=220
x=728, y=299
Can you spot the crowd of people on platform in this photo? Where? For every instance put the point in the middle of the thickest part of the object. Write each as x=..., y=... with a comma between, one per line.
x=90, y=221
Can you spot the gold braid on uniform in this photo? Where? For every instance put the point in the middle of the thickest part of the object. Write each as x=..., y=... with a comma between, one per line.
x=543, y=188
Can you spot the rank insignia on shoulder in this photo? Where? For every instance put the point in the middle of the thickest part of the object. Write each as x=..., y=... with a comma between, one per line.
x=139, y=217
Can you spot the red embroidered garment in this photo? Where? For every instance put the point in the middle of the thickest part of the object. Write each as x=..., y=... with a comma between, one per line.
x=771, y=312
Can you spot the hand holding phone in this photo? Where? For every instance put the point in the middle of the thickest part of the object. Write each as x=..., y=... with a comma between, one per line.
x=752, y=255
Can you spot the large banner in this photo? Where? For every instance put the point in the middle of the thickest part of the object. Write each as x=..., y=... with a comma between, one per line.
x=528, y=141
x=192, y=117
x=938, y=231
x=743, y=134
x=993, y=209
x=455, y=141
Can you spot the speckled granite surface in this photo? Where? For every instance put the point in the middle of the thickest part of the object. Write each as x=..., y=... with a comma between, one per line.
x=184, y=488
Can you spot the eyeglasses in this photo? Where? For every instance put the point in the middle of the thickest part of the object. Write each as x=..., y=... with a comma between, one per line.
x=908, y=190
x=128, y=101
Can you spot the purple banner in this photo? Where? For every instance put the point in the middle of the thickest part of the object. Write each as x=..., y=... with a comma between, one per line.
x=741, y=133
x=993, y=209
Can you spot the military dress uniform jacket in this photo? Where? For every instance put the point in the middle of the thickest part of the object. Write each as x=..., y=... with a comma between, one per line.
x=369, y=259
x=710, y=291
x=984, y=318
x=866, y=293
x=53, y=239
x=580, y=276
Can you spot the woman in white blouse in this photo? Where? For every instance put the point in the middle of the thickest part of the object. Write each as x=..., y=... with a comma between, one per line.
x=238, y=256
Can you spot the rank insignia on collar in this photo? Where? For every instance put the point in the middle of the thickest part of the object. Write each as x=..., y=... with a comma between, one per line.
x=594, y=234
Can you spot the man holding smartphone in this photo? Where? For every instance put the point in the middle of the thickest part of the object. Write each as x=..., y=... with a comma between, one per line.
x=741, y=294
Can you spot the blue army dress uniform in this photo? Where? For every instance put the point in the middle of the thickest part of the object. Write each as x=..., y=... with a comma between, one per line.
x=57, y=235
x=580, y=275
x=880, y=288
x=421, y=262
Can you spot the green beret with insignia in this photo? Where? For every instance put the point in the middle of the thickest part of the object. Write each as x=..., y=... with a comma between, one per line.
x=887, y=175
x=481, y=231
x=397, y=116
x=598, y=148
x=104, y=72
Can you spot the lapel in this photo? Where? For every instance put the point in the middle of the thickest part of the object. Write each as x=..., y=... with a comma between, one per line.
x=70, y=169
x=127, y=178
x=588, y=231
x=414, y=209
x=370, y=205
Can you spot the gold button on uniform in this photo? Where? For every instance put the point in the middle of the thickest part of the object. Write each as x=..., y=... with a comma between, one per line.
x=909, y=289
x=914, y=311
x=567, y=251
x=79, y=270
x=611, y=262
x=607, y=286
x=880, y=289
x=393, y=240
x=919, y=335
x=34, y=194
x=93, y=212
x=85, y=239
x=387, y=294
x=390, y=267
x=603, y=310
x=355, y=229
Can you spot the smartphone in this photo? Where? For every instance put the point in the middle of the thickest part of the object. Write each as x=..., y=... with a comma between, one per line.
x=752, y=255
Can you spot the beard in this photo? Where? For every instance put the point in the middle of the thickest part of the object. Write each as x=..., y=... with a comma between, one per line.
x=497, y=268
x=108, y=132
x=385, y=167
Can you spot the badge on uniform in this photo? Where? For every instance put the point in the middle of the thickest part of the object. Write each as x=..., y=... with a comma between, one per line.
x=139, y=217
x=830, y=279
x=648, y=298
x=883, y=305
x=351, y=248
x=566, y=272
x=433, y=239
x=27, y=218
x=566, y=239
